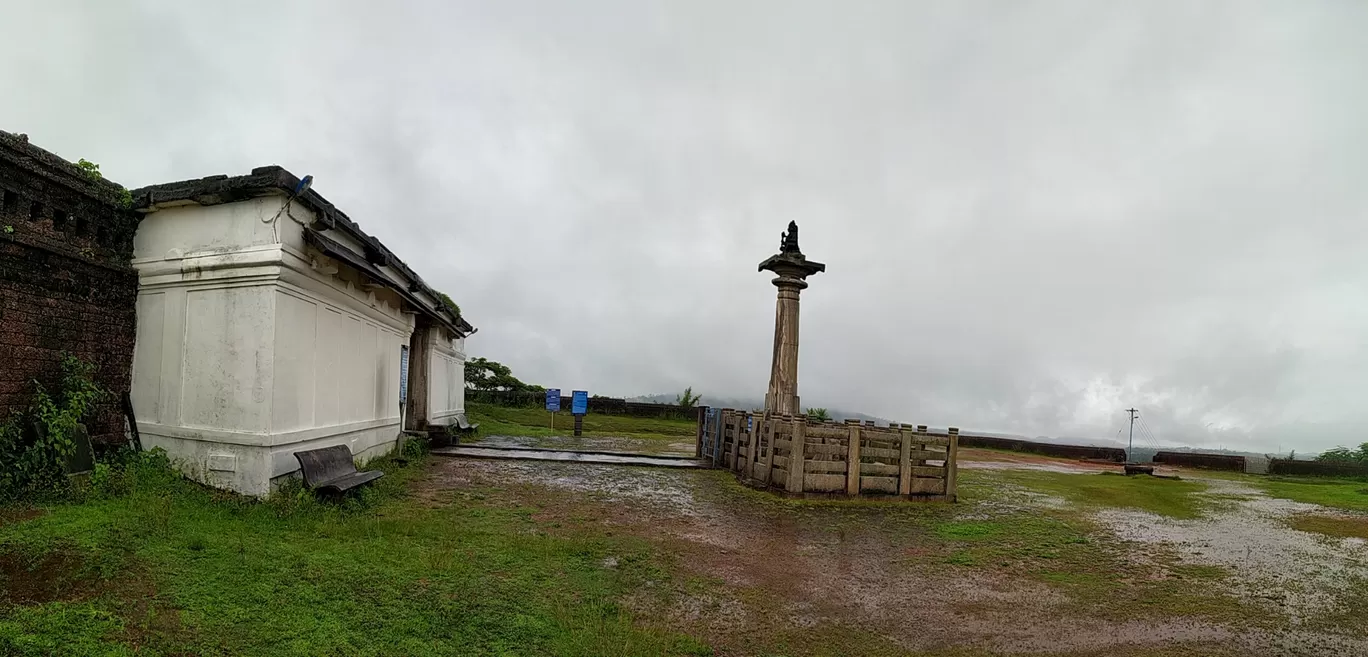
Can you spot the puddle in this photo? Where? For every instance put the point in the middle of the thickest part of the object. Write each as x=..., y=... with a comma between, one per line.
x=1300, y=573
x=563, y=455
x=1019, y=465
x=588, y=443
x=668, y=489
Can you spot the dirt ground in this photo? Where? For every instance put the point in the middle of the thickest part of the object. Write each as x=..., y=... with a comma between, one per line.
x=756, y=574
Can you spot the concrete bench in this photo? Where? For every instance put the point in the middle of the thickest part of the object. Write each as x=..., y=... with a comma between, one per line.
x=463, y=424
x=332, y=469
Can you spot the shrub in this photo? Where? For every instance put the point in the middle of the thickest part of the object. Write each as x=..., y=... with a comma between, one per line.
x=36, y=463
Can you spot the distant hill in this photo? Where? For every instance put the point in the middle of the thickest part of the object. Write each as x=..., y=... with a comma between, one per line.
x=752, y=404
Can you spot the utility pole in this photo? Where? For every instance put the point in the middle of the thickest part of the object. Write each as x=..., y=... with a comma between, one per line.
x=1131, y=446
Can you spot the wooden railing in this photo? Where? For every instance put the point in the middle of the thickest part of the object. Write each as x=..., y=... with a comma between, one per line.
x=801, y=456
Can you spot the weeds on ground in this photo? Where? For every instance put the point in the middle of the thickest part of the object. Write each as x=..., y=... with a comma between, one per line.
x=1356, y=527
x=1347, y=494
x=165, y=566
x=1166, y=497
x=1065, y=548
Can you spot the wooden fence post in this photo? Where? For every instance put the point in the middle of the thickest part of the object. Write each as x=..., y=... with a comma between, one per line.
x=736, y=440
x=755, y=443
x=922, y=430
x=719, y=437
x=768, y=421
x=701, y=417
x=905, y=463
x=952, y=465
x=795, y=476
x=853, y=457
x=743, y=423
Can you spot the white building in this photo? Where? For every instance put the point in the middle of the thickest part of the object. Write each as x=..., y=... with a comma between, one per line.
x=269, y=324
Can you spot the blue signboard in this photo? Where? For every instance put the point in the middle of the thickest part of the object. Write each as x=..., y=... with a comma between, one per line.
x=403, y=374
x=553, y=400
x=579, y=402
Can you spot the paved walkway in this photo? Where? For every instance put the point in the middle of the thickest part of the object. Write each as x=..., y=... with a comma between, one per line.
x=472, y=452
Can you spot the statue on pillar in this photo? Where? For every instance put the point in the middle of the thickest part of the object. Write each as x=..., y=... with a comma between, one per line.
x=788, y=241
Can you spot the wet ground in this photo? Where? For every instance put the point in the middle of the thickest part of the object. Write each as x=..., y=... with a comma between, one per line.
x=607, y=458
x=764, y=575
x=1301, y=574
x=663, y=447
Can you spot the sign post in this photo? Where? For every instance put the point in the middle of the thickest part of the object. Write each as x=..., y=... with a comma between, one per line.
x=553, y=403
x=403, y=392
x=579, y=406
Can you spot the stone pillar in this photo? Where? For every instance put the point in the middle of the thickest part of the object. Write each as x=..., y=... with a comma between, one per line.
x=782, y=396
x=792, y=268
x=416, y=413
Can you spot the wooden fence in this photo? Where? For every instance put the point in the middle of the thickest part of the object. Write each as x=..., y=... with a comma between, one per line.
x=799, y=456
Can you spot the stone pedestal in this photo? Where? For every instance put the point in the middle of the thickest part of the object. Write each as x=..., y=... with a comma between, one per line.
x=792, y=268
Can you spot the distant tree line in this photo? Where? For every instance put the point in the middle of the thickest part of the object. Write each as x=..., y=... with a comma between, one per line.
x=484, y=375
x=1345, y=455
x=490, y=376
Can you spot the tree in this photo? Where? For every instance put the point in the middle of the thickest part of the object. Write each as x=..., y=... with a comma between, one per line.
x=819, y=414
x=688, y=399
x=1345, y=455
x=487, y=375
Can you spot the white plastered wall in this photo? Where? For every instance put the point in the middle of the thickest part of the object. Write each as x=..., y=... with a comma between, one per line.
x=252, y=346
x=446, y=377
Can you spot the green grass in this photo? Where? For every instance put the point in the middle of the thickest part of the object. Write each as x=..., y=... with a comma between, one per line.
x=536, y=422
x=1165, y=497
x=1345, y=494
x=173, y=568
x=1068, y=552
x=1330, y=526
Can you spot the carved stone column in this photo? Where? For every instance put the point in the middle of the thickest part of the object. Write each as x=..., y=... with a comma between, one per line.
x=792, y=268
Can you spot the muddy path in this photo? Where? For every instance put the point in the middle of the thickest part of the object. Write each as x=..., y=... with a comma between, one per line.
x=760, y=575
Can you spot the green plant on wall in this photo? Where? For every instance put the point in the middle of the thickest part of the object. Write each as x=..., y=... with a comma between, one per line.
x=38, y=463
x=451, y=305
x=9, y=230
x=124, y=198
x=90, y=169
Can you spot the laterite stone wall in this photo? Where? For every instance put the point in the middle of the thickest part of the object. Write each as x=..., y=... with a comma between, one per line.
x=66, y=283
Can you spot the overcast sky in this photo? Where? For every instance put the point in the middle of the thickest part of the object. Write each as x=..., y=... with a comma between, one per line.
x=1034, y=215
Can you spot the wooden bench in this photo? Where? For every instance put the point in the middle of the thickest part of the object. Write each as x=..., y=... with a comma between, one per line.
x=332, y=469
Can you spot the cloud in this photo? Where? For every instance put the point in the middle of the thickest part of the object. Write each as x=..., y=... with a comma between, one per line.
x=1034, y=214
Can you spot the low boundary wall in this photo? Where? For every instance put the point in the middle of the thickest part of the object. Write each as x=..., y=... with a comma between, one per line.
x=1317, y=468
x=1229, y=462
x=1047, y=449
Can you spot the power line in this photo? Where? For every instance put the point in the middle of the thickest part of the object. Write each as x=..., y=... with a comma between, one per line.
x=1150, y=432
x=1146, y=436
